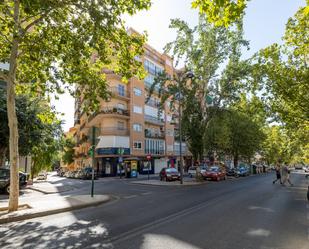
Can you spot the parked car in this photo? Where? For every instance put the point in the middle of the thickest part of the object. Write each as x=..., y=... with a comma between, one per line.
x=242, y=171
x=215, y=173
x=169, y=174
x=230, y=172
x=5, y=180
x=42, y=176
x=192, y=171
x=61, y=172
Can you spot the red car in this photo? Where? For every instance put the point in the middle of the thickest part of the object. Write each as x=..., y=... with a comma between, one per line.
x=215, y=173
x=169, y=174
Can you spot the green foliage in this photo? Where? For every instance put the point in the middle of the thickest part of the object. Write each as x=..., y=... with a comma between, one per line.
x=33, y=114
x=45, y=154
x=38, y=129
x=282, y=72
x=221, y=12
x=287, y=145
x=68, y=150
x=70, y=42
x=204, y=48
x=234, y=133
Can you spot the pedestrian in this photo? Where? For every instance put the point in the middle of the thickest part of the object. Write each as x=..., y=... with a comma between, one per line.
x=287, y=172
x=120, y=170
x=278, y=174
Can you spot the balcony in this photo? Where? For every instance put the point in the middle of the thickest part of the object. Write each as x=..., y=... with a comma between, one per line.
x=105, y=131
x=153, y=120
x=153, y=103
x=154, y=151
x=119, y=94
x=112, y=111
x=154, y=134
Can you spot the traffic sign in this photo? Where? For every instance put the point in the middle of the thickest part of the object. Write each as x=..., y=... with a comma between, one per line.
x=148, y=157
x=120, y=159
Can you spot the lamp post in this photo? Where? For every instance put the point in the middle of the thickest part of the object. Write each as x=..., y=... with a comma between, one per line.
x=181, y=78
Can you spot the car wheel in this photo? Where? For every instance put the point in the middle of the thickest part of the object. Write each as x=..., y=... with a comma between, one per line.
x=7, y=189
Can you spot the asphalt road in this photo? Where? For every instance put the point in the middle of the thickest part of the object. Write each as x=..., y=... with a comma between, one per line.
x=242, y=213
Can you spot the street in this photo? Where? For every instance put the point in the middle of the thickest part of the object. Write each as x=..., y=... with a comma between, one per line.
x=247, y=212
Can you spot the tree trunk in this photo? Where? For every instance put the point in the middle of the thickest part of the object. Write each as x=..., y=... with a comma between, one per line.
x=12, y=118
x=235, y=160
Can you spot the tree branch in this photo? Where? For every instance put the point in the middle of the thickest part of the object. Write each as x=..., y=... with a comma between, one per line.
x=3, y=76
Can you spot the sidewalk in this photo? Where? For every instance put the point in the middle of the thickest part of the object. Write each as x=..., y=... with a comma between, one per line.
x=49, y=204
x=49, y=188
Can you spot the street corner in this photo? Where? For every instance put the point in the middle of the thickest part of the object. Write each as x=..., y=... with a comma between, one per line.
x=155, y=182
x=49, y=205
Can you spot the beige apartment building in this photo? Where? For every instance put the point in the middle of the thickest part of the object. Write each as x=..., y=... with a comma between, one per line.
x=128, y=128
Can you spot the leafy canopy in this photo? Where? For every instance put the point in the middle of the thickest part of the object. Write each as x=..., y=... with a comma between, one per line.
x=70, y=41
x=221, y=12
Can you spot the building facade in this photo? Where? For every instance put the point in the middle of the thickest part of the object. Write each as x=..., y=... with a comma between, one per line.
x=127, y=127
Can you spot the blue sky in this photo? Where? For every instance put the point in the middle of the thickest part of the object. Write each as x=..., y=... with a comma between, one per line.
x=264, y=24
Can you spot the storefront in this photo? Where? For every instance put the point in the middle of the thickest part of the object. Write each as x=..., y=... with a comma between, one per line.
x=108, y=160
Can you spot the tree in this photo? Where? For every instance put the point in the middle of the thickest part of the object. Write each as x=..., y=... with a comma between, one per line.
x=282, y=72
x=33, y=113
x=221, y=12
x=68, y=154
x=204, y=49
x=70, y=41
x=234, y=133
x=47, y=152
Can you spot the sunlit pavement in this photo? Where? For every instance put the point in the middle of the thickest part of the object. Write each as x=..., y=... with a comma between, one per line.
x=248, y=212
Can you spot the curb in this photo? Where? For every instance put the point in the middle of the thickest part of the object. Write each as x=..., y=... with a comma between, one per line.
x=48, y=192
x=50, y=212
x=163, y=185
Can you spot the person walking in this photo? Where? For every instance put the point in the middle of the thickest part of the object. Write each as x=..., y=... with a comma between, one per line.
x=287, y=172
x=278, y=174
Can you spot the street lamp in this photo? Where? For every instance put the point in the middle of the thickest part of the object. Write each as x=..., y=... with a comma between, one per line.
x=181, y=78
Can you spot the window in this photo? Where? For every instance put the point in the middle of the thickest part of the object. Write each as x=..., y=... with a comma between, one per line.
x=121, y=90
x=152, y=68
x=137, y=145
x=137, y=109
x=120, y=125
x=137, y=127
x=137, y=91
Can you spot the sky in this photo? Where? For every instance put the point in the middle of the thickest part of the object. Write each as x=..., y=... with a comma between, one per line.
x=264, y=24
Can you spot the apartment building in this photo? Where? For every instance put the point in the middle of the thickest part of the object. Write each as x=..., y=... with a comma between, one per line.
x=127, y=128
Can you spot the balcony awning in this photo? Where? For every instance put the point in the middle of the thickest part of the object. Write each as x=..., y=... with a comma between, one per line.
x=113, y=142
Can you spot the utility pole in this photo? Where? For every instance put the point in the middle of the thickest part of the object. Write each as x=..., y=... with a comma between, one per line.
x=93, y=159
x=180, y=139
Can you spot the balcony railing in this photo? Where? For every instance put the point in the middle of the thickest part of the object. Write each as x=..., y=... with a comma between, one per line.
x=152, y=103
x=109, y=110
x=114, y=131
x=118, y=93
x=154, y=134
x=154, y=120
x=154, y=151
